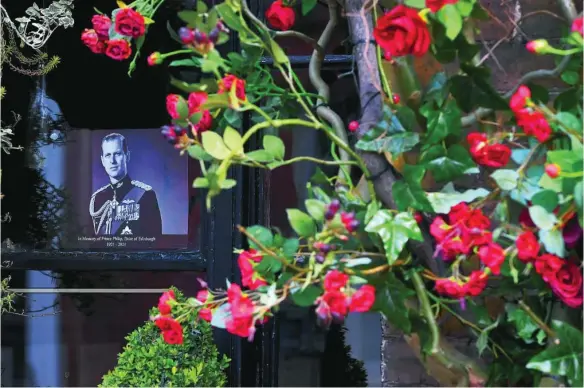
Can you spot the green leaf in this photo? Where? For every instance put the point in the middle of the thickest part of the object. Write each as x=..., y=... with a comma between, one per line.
x=394, y=144
x=229, y=16
x=307, y=6
x=197, y=152
x=553, y=241
x=316, y=209
x=190, y=17
x=442, y=202
x=563, y=359
x=419, y=4
x=437, y=89
x=228, y=183
x=263, y=235
x=447, y=165
x=200, y=183
x=542, y=218
x=570, y=77
x=212, y=62
x=268, y=265
x=506, y=179
x=570, y=121
x=306, y=297
x=233, y=140
x=523, y=323
x=301, y=222
x=465, y=7
x=215, y=101
x=450, y=18
x=277, y=53
x=390, y=297
x=547, y=199
x=275, y=146
x=409, y=194
x=394, y=232
x=214, y=146
x=290, y=247
x=442, y=122
x=261, y=156
x=187, y=62
x=482, y=341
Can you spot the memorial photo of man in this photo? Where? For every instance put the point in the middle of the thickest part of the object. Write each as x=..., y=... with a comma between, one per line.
x=124, y=206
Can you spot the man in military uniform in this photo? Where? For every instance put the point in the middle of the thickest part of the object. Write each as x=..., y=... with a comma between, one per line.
x=124, y=206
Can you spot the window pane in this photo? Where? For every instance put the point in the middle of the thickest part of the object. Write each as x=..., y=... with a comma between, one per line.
x=74, y=339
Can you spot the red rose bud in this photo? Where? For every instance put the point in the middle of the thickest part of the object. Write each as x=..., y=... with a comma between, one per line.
x=396, y=98
x=101, y=25
x=538, y=46
x=118, y=49
x=91, y=40
x=553, y=170
x=335, y=205
x=353, y=126
x=352, y=226
x=187, y=35
x=578, y=26
x=279, y=16
x=418, y=217
x=154, y=59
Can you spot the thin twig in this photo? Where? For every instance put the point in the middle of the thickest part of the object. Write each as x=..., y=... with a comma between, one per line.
x=537, y=319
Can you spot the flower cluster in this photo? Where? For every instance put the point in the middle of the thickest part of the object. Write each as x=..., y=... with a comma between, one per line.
x=113, y=38
x=563, y=276
x=171, y=329
x=247, y=261
x=532, y=121
x=459, y=287
x=339, y=299
x=235, y=87
x=347, y=218
x=280, y=16
x=483, y=153
x=190, y=111
x=199, y=40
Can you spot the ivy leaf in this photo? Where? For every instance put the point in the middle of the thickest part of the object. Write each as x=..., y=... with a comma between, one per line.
x=301, y=222
x=542, y=218
x=263, y=235
x=447, y=165
x=275, y=146
x=442, y=202
x=213, y=144
x=306, y=297
x=553, y=241
x=547, y=199
x=506, y=179
x=394, y=232
x=390, y=297
x=409, y=194
x=316, y=209
x=523, y=323
x=483, y=339
x=563, y=359
x=442, y=122
x=450, y=18
x=307, y=6
x=437, y=90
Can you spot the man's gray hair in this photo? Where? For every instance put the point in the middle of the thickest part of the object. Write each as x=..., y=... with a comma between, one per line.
x=116, y=136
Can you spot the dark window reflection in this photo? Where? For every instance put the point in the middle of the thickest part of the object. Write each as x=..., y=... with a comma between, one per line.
x=72, y=340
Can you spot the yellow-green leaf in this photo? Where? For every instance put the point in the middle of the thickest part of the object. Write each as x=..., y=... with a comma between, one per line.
x=213, y=144
x=233, y=140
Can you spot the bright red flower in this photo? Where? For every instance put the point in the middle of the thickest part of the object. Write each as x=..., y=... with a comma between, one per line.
x=534, y=123
x=204, y=124
x=196, y=99
x=172, y=331
x=241, y=322
x=402, y=31
x=91, y=40
x=459, y=213
x=163, y=305
x=578, y=26
x=206, y=314
x=495, y=155
x=547, y=265
x=335, y=280
x=439, y=229
x=230, y=81
x=493, y=256
x=101, y=25
x=476, y=283
x=450, y=287
x=436, y=5
x=172, y=105
x=527, y=246
x=130, y=23
x=453, y=247
x=173, y=337
x=249, y=278
x=363, y=299
x=118, y=49
x=203, y=295
x=567, y=284
x=520, y=98
x=279, y=16
x=337, y=303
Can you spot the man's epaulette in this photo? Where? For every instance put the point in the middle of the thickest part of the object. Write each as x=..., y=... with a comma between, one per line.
x=99, y=190
x=142, y=185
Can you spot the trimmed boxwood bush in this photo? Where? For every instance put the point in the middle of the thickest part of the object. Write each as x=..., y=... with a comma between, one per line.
x=147, y=361
x=339, y=368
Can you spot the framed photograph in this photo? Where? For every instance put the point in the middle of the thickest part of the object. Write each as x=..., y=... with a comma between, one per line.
x=129, y=190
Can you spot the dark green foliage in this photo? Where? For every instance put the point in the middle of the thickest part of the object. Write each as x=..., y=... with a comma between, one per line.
x=147, y=361
x=339, y=369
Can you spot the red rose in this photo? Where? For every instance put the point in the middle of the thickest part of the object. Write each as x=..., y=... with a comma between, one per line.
x=453, y=247
x=578, y=26
x=534, y=124
x=279, y=16
x=101, y=25
x=450, y=287
x=496, y=155
x=519, y=98
x=203, y=295
x=476, y=283
x=230, y=81
x=196, y=99
x=567, y=284
x=249, y=278
x=547, y=265
x=130, y=23
x=234, y=293
x=172, y=331
x=527, y=246
x=91, y=40
x=458, y=213
x=206, y=314
x=402, y=31
x=118, y=49
x=173, y=337
x=335, y=280
x=174, y=105
x=493, y=256
x=337, y=303
x=362, y=299
x=240, y=321
x=435, y=5
x=163, y=305
x=204, y=124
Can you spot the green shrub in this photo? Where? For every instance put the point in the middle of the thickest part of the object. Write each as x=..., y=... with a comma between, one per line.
x=338, y=367
x=147, y=361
